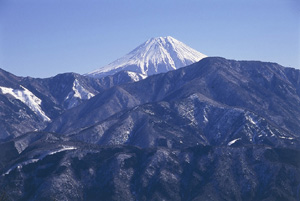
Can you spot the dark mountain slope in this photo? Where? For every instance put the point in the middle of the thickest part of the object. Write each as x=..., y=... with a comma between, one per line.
x=76, y=171
x=7, y=79
x=109, y=102
x=184, y=123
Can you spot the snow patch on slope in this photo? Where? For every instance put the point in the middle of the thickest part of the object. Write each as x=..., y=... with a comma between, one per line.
x=78, y=92
x=34, y=160
x=81, y=92
x=136, y=76
x=28, y=98
x=233, y=141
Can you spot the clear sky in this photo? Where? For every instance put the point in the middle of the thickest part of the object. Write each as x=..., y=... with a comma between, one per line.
x=41, y=38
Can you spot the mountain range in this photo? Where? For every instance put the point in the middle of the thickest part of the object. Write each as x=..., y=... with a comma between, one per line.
x=29, y=104
x=216, y=129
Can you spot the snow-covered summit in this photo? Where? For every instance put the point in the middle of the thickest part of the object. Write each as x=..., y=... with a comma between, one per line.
x=156, y=55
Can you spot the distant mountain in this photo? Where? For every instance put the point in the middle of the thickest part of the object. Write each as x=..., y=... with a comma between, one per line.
x=156, y=55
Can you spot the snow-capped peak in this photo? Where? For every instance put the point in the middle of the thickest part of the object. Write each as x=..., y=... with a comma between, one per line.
x=156, y=55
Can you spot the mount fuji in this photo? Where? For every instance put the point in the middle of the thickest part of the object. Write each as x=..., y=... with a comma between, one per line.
x=156, y=55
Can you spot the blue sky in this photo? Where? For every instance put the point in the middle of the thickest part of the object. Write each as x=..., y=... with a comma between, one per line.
x=41, y=38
